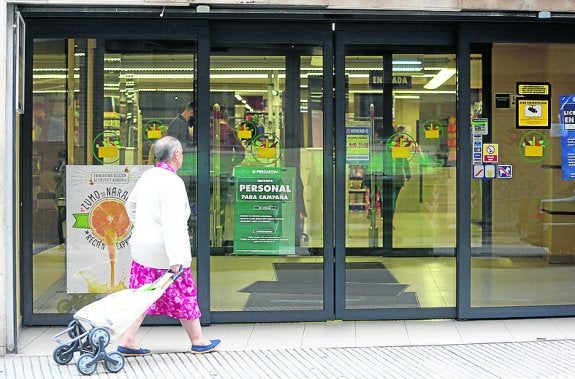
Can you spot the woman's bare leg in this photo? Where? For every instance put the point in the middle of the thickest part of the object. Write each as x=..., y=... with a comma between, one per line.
x=128, y=339
x=194, y=330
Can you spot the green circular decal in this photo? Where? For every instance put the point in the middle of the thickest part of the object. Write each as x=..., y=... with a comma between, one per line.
x=245, y=131
x=265, y=148
x=106, y=145
x=401, y=146
x=154, y=130
x=432, y=129
x=533, y=146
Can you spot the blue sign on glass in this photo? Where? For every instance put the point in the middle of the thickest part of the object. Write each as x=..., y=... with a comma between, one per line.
x=567, y=119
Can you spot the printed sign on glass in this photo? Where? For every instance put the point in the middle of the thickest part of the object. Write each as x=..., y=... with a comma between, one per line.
x=97, y=227
x=567, y=120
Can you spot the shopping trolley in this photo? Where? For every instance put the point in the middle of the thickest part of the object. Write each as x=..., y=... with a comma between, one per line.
x=96, y=324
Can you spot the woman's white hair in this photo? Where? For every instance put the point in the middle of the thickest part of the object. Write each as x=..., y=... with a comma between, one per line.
x=165, y=148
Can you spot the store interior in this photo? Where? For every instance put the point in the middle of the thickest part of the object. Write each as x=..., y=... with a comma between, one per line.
x=400, y=238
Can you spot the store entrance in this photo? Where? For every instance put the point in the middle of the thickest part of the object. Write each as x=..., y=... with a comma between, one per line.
x=321, y=162
x=267, y=179
x=252, y=125
x=399, y=179
x=278, y=231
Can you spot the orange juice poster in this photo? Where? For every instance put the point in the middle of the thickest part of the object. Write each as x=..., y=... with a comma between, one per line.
x=98, y=227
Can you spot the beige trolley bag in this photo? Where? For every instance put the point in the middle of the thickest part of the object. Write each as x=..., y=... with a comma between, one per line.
x=96, y=324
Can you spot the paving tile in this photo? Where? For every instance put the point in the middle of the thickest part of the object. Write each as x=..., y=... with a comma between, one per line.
x=166, y=339
x=329, y=334
x=276, y=336
x=377, y=333
x=439, y=332
x=483, y=331
x=533, y=329
x=565, y=325
x=234, y=336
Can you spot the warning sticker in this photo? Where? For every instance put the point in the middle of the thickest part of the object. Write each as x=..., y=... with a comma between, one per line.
x=504, y=171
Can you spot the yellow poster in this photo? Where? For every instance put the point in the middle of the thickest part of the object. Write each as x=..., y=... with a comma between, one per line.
x=533, y=89
x=532, y=113
x=490, y=152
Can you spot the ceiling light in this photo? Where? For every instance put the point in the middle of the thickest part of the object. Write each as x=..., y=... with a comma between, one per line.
x=407, y=69
x=241, y=76
x=427, y=92
x=441, y=77
x=406, y=97
x=165, y=90
x=409, y=62
x=158, y=76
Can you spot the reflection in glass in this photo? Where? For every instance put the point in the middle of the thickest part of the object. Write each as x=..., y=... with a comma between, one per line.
x=96, y=107
x=48, y=163
x=260, y=142
x=400, y=180
x=523, y=226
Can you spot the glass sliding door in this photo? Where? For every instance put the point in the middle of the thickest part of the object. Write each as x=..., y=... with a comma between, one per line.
x=266, y=174
x=99, y=105
x=48, y=140
x=400, y=171
x=523, y=219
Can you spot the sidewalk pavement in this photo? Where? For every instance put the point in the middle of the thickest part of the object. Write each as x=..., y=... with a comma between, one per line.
x=527, y=348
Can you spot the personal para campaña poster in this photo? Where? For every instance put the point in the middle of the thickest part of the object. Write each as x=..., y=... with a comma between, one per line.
x=97, y=227
x=264, y=211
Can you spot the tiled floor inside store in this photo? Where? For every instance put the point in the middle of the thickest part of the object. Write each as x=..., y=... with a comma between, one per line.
x=495, y=281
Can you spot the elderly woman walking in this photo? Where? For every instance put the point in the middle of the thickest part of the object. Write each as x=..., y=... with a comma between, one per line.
x=159, y=209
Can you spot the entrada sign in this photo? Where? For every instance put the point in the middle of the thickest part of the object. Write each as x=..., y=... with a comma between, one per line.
x=397, y=81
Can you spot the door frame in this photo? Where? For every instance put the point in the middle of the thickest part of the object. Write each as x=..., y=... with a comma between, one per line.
x=205, y=36
x=268, y=33
x=385, y=39
x=84, y=28
x=480, y=37
x=458, y=34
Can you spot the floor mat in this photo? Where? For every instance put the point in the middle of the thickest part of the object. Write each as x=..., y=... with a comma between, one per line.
x=299, y=286
x=368, y=289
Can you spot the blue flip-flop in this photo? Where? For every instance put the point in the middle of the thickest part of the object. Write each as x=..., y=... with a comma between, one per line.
x=127, y=352
x=201, y=349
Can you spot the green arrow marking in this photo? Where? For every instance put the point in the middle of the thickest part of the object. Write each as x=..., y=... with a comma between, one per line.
x=81, y=221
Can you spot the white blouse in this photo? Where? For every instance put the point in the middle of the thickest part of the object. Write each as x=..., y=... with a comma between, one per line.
x=159, y=209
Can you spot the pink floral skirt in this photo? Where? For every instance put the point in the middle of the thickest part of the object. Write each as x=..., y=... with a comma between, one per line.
x=180, y=299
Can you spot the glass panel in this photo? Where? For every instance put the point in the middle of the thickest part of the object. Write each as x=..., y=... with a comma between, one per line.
x=526, y=253
x=119, y=96
x=266, y=169
x=48, y=143
x=400, y=170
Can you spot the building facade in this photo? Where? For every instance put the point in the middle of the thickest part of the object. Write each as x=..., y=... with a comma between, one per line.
x=343, y=160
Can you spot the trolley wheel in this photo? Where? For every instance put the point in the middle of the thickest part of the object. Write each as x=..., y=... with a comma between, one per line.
x=118, y=363
x=98, y=334
x=63, y=354
x=85, y=364
x=64, y=306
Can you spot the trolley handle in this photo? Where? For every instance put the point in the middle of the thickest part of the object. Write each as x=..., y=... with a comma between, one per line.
x=177, y=274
